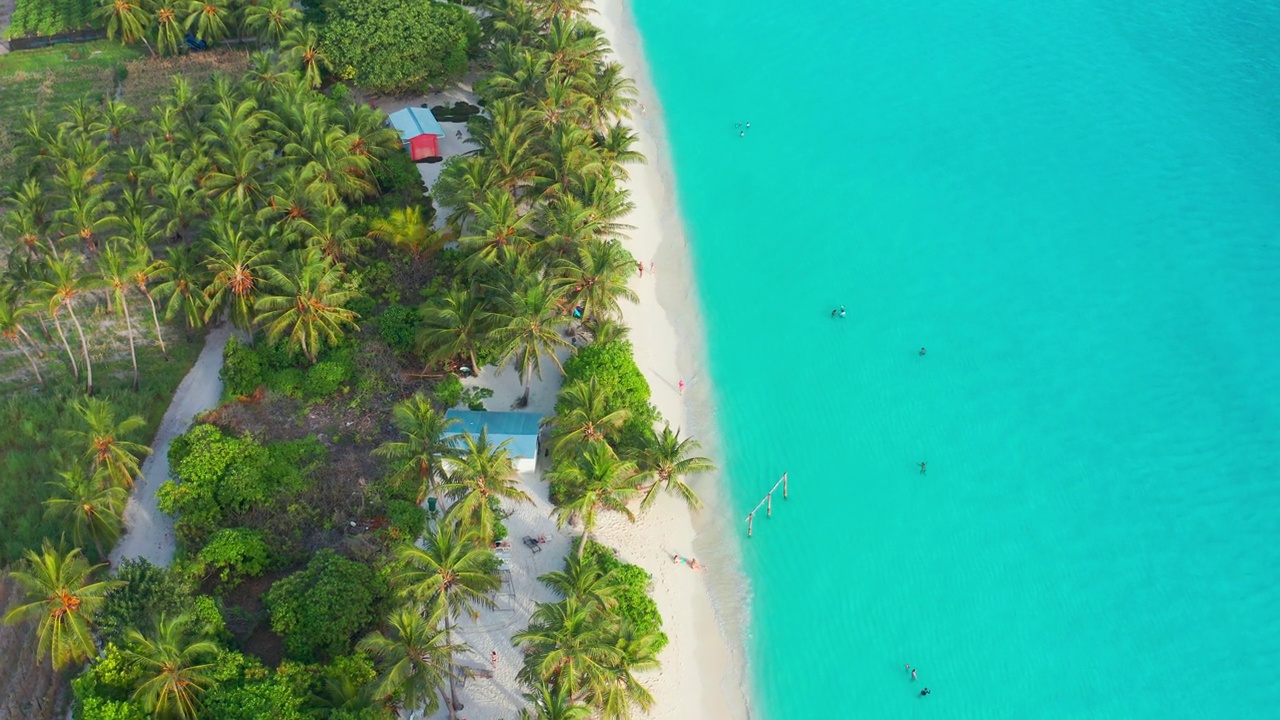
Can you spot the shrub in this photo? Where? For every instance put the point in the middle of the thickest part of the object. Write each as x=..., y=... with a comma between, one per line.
x=395, y=46
x=407, y=518
x=319, y=609
x=613, y=365
x=242, y=368
x=324, y=378
x=397, y=326
x=235, y=553
x=217, y=477
x=634, y=602
x=288, y=381
x=398, y=179
x=148, y=592
x=448, y=391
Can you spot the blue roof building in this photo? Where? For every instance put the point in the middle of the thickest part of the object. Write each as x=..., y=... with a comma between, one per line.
x=419, y=131
x=520, y=430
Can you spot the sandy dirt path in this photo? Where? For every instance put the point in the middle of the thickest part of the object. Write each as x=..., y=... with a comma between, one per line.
x=150, y=531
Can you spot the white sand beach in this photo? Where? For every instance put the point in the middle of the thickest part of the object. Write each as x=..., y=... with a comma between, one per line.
x=702, y=675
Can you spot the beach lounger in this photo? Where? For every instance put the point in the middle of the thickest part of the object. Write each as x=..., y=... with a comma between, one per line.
x=532, y=544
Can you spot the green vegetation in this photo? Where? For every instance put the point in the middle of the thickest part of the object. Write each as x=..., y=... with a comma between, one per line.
x=218, y=478
x=49, y=17
x=397, y=46
x=319, y=609
x=309, y=581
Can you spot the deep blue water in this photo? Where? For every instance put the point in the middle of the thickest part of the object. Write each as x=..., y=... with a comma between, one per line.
x=1074, y=207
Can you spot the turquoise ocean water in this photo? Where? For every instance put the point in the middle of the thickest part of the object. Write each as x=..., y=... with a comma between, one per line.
x=1073, y=207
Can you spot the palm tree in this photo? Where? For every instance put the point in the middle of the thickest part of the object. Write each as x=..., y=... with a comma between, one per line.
x=103, y=440
x=238, y=264
x=88, y=214
x=423, y=447
x=597, y=277
x=182, y=282
x=567, y=644
x=616, y=144
x=307, y=306
x=61, y=287
x=498, y=231
x=174, y=673
x=450, y=574
x=609, y=94
x=415, y=659
x=90, y=503
x=553, y=702
x=663, y=460
x=168, y=27
x=597, y=481
x=480, y=475
x=453, y=326
x=302, y=46
x=583, y=416
x=127, y=19
x=141, y=271
x=11, y=315
x=583, y=581
x=271, y=20
x=528, y=327
x=615, y=698
x=334, y=232
x=115, y=273
x=210, y=20
x=409, y=231
x=61, y=593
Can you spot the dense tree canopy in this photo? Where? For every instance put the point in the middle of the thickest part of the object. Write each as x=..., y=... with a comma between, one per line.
x=398, y=45
x=318, y=610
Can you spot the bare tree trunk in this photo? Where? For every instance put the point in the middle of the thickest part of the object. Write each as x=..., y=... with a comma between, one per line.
x=23, y=348
x=75, y=369
x=44, y=328
x=156, y=319
x=128, y=328
x=84, y=348
x=453, y=686
x=30, y=341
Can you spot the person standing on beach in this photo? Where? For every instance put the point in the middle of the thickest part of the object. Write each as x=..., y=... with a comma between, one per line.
x=680, y=388
x=640, y=265
x=493, y=658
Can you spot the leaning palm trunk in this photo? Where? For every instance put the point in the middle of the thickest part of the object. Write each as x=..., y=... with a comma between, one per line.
x=84, y=348
x=156, y=319
x=18, y=341
x=44, y=328
x=75, y=369
x=31, y=342
x=128, y=329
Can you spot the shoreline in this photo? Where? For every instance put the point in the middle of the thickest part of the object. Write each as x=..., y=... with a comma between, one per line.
x=702, y=673
x=709, y=608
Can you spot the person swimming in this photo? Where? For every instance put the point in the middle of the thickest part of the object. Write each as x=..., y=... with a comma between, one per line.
x=921, y=352
x=925, y=692
x=841, y=311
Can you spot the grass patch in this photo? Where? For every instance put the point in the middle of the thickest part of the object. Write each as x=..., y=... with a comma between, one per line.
x=148, y=78
x=30, y=445
x=50, y=78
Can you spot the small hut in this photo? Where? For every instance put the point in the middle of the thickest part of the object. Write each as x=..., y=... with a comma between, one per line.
x=519, y=429
x=419, y=132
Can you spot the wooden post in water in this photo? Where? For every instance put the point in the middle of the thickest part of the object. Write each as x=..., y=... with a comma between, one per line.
x=767, y=502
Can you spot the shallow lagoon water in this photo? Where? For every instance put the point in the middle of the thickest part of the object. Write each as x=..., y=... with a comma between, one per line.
x=1073, y=207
